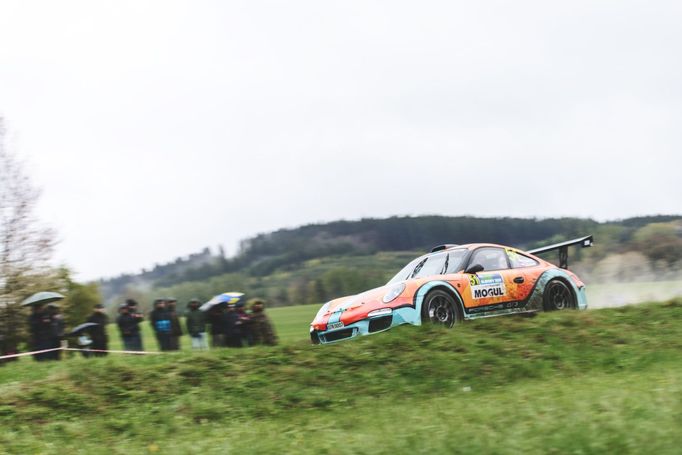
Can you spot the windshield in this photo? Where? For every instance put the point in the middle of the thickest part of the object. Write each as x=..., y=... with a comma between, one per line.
x=435, y=264
x=405, y=273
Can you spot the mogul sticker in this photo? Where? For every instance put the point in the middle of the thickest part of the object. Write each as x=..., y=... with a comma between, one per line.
x=485, y=286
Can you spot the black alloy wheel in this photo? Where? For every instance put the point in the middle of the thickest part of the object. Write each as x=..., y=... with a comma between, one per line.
x=440, y=308
x=558, y=296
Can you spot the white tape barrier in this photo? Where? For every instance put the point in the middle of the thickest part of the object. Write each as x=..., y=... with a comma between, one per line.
x=22, y=354
x=113, y=351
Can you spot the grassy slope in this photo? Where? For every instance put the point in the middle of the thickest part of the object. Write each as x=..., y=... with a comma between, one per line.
x=599, y=381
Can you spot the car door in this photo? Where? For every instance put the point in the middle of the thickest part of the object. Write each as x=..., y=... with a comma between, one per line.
x=492, y=286
x=525, y=272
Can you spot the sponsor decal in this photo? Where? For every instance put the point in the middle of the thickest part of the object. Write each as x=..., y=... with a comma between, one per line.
x=487, y=286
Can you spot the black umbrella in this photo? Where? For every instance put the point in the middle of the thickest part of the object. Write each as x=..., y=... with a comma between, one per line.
x=78, y=329
x=41, y=298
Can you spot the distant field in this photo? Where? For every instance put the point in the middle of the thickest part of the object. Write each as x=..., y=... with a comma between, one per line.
x=292, y=322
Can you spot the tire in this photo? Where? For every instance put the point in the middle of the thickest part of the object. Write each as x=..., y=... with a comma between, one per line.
x=558, y=296
x=439, y=308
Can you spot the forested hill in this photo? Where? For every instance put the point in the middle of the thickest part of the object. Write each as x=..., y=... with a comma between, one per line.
x=291, y=249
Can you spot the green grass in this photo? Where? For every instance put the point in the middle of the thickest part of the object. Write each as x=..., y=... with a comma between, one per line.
x=604, y=381
x=292, y=323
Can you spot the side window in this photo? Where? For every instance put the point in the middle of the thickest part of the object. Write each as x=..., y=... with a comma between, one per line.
x=490, y=258
x=519, y=260
x=431, y=265
x=454, y=260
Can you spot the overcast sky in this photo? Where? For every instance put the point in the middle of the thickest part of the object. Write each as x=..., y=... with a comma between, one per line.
x=158, y=128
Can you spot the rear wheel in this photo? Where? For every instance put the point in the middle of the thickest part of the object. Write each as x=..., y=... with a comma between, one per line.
x=440, y=308
x=558, y=296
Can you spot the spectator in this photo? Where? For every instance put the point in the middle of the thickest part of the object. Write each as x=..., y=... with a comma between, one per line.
x=56, y=331
x=176, y=328
x=215, y=319
x=135, y=313
x=196, y=325
x=231, y=327
x=243, y=324
x=98, y=333
x=261, y=327
x=40, y=326
x=129, y=326
x=161, y=323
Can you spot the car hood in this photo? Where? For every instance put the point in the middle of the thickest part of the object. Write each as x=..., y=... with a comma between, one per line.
x=354, y=307
x=371, y=297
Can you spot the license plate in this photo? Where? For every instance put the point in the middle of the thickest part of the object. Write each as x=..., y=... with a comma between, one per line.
x=334, y=325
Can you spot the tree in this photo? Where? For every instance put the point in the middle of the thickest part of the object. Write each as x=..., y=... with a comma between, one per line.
x=80, y=298
x=25, y=246
x=660, y=241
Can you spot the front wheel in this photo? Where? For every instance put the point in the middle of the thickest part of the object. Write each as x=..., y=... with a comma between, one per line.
x=441, y=309
x=558, y=296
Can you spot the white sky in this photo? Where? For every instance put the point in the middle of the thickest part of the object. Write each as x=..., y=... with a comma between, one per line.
x=158, y=128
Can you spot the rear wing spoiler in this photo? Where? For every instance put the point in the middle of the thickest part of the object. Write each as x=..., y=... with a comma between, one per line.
x=584, y=242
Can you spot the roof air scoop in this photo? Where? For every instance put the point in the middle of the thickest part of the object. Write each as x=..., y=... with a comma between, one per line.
x=443, y=247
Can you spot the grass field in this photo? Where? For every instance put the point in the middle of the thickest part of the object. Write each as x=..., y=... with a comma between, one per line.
x=603, y=381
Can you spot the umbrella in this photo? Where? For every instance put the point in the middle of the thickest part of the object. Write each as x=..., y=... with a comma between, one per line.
x=41, y=298
x=226, y=297
x=78, y=329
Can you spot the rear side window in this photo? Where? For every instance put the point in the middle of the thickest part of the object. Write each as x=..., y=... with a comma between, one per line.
x=519, y=260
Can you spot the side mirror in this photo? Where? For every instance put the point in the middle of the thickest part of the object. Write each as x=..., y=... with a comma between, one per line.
x=474, y=268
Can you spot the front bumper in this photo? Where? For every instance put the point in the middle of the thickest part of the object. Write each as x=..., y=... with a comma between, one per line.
x=367, y=326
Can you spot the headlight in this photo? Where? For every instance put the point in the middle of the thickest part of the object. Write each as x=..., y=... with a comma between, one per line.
x=380, y=312
x=394, y=293
x=322, y=310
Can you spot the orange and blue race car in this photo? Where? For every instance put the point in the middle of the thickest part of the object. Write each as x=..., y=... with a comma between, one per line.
x=454, y=283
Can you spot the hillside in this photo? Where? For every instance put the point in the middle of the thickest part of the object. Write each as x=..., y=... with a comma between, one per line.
x=316, y=262
x=596, y=381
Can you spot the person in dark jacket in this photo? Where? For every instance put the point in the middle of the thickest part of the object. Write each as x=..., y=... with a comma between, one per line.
x=231, y=327
x=98, y=333
x=262, y=329
x=161, y=323
x=40, y=327
x=196, y=325
x=137, y=314
x=56, y=331
x=215, y=319
x=244, y=324
x=176, y=327
x=128, y=322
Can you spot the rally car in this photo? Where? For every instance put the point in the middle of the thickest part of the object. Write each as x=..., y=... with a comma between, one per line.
x=454, y=283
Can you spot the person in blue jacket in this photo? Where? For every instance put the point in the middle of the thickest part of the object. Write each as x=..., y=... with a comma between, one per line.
x=160, y=319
